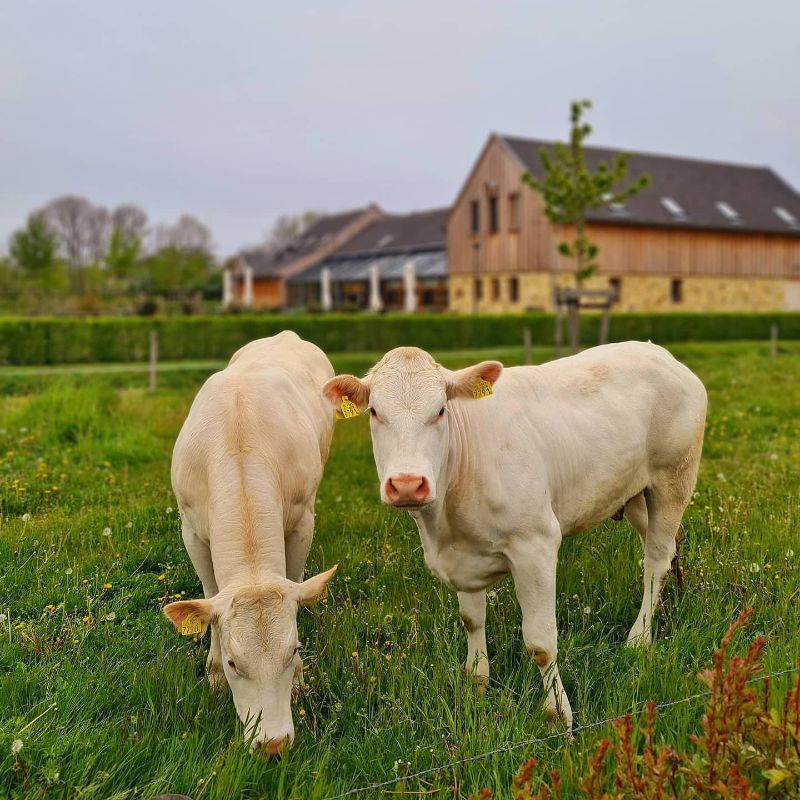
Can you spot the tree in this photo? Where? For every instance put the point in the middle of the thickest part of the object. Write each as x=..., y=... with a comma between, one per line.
x=125, y=244
x=287, y=228
x=34, y=247
x=130, y=219
x=82, y=230
x=176, y=272
x=570, y=189
x=188, y=233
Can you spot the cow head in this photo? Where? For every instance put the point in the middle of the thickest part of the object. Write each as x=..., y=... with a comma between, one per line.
x=257, y=631
x=407, y=395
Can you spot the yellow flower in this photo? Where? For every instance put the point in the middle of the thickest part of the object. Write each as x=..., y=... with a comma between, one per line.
x=354, y=654
x=106, y=585
x=86, y=618
x=302, y=712
x=160, y=578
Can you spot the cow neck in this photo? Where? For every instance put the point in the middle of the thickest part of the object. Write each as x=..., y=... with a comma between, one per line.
x=457, y=466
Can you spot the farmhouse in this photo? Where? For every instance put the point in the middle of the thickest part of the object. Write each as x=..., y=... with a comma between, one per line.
x=703, y=236
x=257, y=278
x=397, y=262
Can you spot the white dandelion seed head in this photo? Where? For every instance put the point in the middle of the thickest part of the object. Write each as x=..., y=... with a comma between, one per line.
x=26, y=517
x=16, y=746
x=169, y=510
x=790, y=553
x=129, y=525
x=720, y=476
x=587, y=610
x=110, y=617
x=755, y=567
x=68, y=571
x=3, y=618
x=106, y=531
x=773, y=456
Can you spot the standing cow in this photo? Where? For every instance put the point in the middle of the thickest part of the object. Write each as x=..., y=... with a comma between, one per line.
x=497, y=473
x=245, y=472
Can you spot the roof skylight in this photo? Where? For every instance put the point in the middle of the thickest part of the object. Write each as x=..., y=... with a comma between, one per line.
x=674, y=208
x=787, y=217
x=384, y=240
x=729, y=212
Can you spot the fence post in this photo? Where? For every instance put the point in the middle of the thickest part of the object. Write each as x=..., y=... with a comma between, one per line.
x=773, y=341
x=526, y=347
x=153, y=359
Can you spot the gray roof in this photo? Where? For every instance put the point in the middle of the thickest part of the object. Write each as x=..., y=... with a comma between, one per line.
x=427, y=265
x=400, y=233
x=713, y=195
x=318, y=234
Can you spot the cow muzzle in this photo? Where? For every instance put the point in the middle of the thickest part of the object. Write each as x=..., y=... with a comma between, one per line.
x=407, y=491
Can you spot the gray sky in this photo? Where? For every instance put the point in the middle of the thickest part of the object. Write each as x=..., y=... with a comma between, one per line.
x=240, y=111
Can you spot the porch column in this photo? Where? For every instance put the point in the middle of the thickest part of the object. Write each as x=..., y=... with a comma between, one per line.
x=248, y=285
x=325, y=289
x=410, y=287
x=227, y=287
x=375, y=300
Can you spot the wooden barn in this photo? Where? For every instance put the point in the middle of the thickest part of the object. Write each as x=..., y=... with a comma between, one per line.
x=703, y=236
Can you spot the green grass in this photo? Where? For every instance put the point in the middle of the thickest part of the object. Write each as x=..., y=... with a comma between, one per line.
x=110, y=703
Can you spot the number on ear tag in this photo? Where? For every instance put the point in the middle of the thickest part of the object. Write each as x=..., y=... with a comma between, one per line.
x=481, y=388
x=347, y=408
x=190, y=626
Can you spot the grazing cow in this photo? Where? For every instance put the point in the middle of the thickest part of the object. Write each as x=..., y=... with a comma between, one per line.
x=497, y=473
x=245, y=472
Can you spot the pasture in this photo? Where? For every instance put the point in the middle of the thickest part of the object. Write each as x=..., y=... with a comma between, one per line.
x=109, y=702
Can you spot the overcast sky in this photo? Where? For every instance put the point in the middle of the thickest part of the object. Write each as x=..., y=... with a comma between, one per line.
x=238, y=112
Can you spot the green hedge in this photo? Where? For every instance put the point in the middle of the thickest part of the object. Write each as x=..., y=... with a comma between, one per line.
x=120, y=339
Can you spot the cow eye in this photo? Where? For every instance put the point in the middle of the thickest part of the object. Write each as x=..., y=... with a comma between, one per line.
x=296, y=650
x=373, y=411
x=232, y=664
x=441, y=411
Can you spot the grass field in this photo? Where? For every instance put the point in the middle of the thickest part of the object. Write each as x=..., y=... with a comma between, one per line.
x=109, y=702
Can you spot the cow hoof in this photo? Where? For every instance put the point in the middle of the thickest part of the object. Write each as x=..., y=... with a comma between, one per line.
x=637, y=639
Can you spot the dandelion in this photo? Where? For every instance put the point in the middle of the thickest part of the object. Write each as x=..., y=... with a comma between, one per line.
x=161, y=577
x=302, y=712
x=16, y=746
x=129, y=525
x=110, y=617
x=86, y=619
x=68, y=571
x=773, y=456
x=106, y=531
x=169, y=510
x=720, y=476
x=755, y=567
x=106, y=585
x=587, y=610
x=790, y=553
x=3, y=618
x=26, y=517
x=354, y=654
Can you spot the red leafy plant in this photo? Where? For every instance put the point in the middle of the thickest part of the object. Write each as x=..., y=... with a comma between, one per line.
x=748, y=747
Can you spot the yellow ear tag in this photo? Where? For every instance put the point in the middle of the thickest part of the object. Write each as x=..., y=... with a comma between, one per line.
x=481, y=388
x=347, y=408
x=190, y=626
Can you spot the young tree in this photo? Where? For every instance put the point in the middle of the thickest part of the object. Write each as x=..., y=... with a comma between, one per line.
x=287, y=228
x=34, y=247
x=570, y=189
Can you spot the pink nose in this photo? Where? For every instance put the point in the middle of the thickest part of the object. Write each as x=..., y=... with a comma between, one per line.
x=273, y=747
x=407, y=490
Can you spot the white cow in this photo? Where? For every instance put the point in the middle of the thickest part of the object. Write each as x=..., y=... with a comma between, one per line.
x=495, y=483
x=245, y=472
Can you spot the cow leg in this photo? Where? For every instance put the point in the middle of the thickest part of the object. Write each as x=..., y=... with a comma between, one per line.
x=472, y=609
x=298, y=543
x=636, y=514
x=664, y=513
x=200, y=555
x=533, y=567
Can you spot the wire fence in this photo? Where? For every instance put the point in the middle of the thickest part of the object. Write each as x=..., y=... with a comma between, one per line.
x=507, y=748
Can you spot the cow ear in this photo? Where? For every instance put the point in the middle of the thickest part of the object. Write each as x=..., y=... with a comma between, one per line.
x=475, y=381
x=190, y=617
x=314, y=588
x=354, y=389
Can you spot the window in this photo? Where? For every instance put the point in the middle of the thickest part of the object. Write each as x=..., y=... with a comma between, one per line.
x=513, y=290
x=674, y=208
x=513, y=212
x=787, y=217
x=477, y=289
x=475, y=217
x=729, y=212
x=615, y=285
x=495, y=288
x=493, y=220
x=676, y=290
